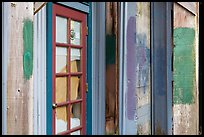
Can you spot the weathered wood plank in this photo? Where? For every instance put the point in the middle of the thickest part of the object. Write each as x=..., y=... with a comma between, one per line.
x=111, y=68
x=185, y=99
x=20, y=63
x=143, y=67
x=182, y=17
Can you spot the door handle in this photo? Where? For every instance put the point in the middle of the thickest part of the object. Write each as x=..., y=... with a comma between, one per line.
x=54, y=105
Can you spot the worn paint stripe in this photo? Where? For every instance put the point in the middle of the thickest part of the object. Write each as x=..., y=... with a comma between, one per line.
x=184, y=66
x=28, y=48
x=131, y=68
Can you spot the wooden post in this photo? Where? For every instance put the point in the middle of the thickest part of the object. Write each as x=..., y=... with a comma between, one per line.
x=20, y=66
x=185, y=67
x=111, y=68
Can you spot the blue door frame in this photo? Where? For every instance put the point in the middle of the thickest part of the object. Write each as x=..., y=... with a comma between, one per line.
x=89, y=74
x=49, y=70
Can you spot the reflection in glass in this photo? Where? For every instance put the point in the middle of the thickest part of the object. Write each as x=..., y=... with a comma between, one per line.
x=75, y=115
x=75, y=32
x=61, y=89
x=61, y=119
x=76, y=132
x=75, y=60
x=61, y=29
x=75, y=88
x=61, y=59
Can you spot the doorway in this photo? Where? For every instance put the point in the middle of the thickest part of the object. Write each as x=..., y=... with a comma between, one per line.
x=69, y=72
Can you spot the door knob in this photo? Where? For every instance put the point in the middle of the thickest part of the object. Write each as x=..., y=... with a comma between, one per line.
x=54, y=105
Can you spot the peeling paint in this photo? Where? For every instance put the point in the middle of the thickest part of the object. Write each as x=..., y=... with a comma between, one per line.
x=28, y=48
x=142, y=61
x=138, y=59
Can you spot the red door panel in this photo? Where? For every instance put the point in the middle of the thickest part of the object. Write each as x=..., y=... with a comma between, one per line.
x=69, y=41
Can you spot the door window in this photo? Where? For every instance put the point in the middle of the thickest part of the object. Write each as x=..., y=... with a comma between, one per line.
x=69, y=71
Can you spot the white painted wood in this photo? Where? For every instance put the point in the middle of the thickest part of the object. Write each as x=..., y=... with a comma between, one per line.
x=98, y=57
x=121, y=66
x=40, y=72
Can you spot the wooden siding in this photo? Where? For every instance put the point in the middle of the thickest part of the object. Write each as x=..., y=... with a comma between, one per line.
x=19, y=74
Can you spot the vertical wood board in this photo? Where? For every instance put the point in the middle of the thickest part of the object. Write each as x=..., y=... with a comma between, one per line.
x=20, y=61
x=185, y=99
x=143, y=67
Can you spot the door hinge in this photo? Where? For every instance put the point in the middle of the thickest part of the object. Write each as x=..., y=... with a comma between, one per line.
x=86, y=87
x=87, y=30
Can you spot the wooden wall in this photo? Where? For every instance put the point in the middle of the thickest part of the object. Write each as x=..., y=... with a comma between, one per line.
x=185, y=68
x=20, y=69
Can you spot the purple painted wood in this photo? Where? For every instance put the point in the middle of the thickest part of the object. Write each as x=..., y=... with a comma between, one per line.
x=131, y=68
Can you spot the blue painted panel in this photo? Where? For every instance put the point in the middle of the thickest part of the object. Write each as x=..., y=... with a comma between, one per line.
x=49, y=68
x=161, y=68
x=89, y=75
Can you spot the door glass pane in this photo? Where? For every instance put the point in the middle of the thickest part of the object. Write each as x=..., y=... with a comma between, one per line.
x=61, y=89
x=75, y=115
x=61, y=29
x=61, y=59
x=75, y=88
x=61, y=119
x=75, y=32
x=75, y=60
x=76, y=132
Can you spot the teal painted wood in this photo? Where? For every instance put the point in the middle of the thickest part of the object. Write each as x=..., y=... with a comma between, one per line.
x=49, y=68
x=83, y=7
x=89, y=74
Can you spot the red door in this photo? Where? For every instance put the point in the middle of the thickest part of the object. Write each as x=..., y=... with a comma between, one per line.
x=69, y=41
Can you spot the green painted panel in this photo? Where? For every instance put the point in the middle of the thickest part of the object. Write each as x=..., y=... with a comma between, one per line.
x=184, y=65
x=184, y=36
x=27, y=48
x=183, y=80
